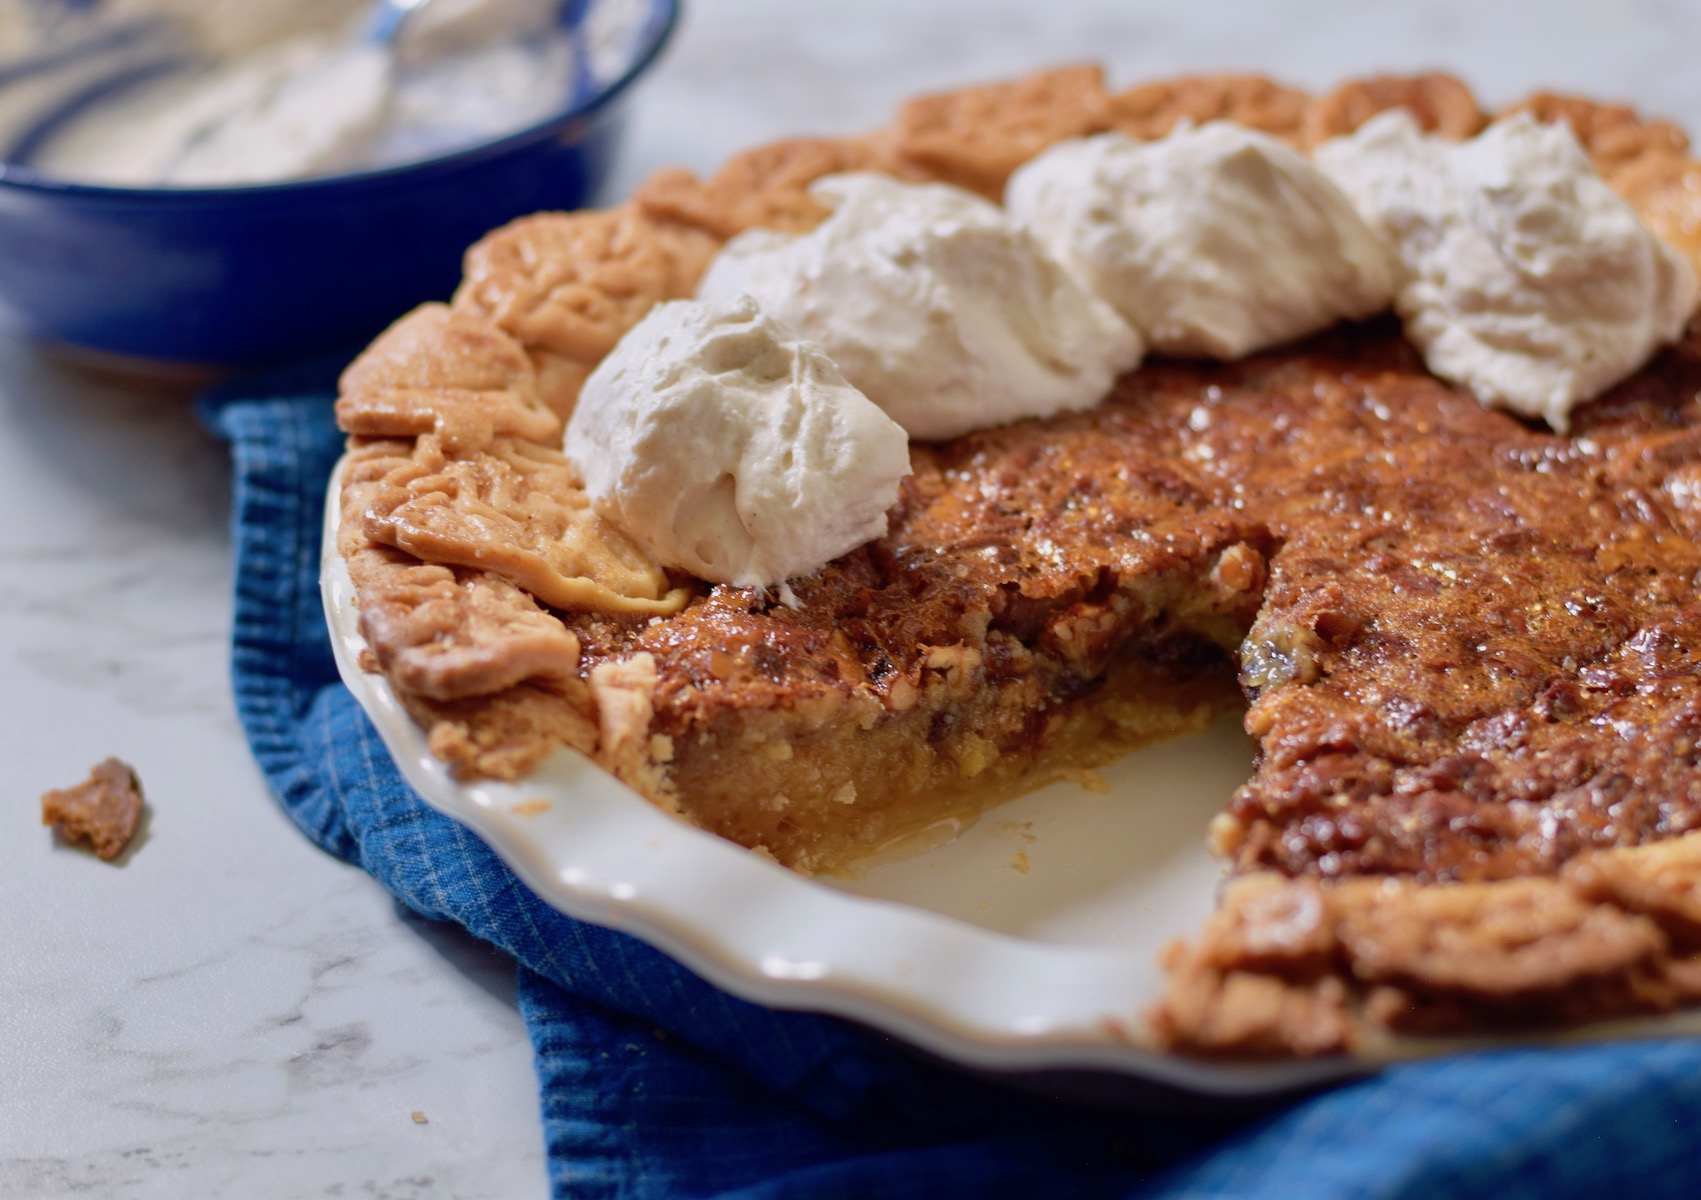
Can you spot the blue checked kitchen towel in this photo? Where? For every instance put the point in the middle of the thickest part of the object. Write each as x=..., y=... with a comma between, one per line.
x=654, y=1084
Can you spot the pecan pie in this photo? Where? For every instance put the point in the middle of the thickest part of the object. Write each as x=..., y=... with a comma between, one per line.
x=1471, y=649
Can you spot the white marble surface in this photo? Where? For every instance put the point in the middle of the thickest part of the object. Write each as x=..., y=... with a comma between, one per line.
x=230, y=1012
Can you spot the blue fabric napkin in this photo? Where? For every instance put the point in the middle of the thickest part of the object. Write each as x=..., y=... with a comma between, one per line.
x=654, y=1084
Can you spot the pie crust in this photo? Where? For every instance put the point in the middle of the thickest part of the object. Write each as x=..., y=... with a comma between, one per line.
x=1472, y=649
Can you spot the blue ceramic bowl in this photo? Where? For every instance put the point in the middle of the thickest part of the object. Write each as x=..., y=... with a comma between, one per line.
x=240, y=275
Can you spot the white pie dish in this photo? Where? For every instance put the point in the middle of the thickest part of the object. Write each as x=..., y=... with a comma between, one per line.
x=1028, y=943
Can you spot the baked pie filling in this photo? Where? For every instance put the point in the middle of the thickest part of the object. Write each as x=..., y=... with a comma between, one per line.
x=1471, y=648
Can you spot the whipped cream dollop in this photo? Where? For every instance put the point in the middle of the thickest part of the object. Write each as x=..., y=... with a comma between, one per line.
x=934, y=304
x=1529, y=281
x=1215, y=241
x=727, y=446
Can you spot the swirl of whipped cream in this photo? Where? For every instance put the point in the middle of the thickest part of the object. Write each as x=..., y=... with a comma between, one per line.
x=1216, y=241
x=933, y=304
x=726, y=446
x=1528, y=280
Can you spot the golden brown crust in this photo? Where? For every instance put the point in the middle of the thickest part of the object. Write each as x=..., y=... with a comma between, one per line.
x=445, y=634
x=445, y=373
x=1440, y=103
x=1261, y=979
x=1516, y=940
x=767, y=187
x=1151, y=110
x=977, y=136
x=435, y=632
x=366, y=464
x=518, y=511
x=1613, y=935
x=568, y=285
x=1274, y=924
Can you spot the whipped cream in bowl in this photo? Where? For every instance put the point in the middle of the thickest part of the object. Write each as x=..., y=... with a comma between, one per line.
x=728, y=447
x=1528, y=280
x=1215, y=241
x=934, y=304
x=267, y=91
x=265, y=268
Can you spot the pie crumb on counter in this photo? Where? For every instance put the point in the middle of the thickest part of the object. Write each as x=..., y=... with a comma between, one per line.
x=103, y=810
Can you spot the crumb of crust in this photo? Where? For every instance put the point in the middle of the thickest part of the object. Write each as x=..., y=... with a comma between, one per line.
x=976, y=137
x=1152, y=110
x=767, y=187
x=568, y=285
x=1441, y=104
x=452, y=374
x=518, y=511
x=102, y=811
x=419, y=1118
x=1089, y=779
x=1118, y=1030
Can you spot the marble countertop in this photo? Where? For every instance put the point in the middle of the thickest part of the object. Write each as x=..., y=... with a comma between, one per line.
x=230, y=1012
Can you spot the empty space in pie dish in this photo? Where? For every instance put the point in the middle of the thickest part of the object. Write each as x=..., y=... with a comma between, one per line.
x=1126, y=866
